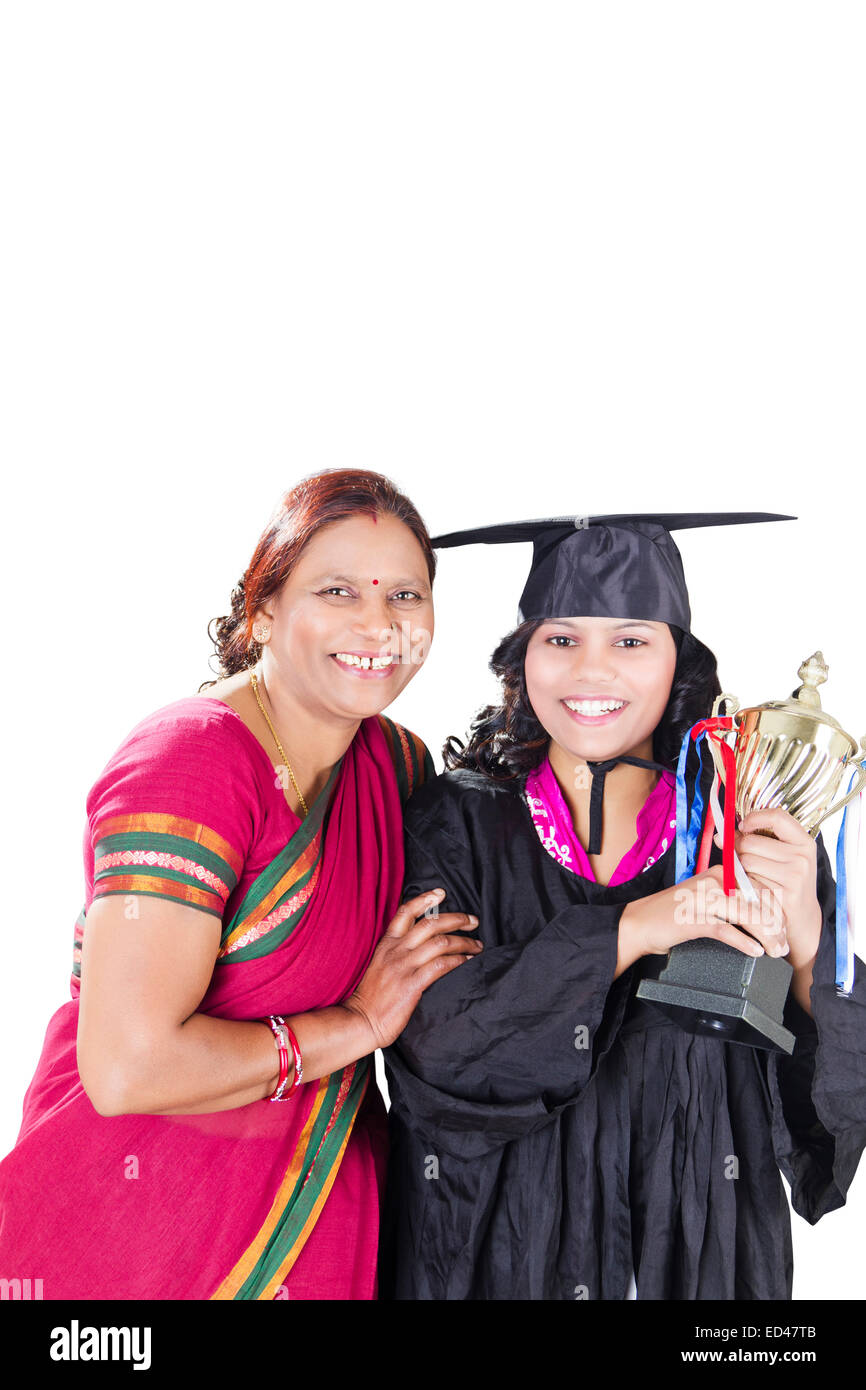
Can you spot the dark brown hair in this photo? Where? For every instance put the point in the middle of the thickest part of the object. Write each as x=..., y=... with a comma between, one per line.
x=332, y=495
x=507, y=740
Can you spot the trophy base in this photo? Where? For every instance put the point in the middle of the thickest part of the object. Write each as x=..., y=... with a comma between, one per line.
x=714, y=990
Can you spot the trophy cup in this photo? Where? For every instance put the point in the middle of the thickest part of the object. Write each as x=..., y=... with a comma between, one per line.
x=788, y=754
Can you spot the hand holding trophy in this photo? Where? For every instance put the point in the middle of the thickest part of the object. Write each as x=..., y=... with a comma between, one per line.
x=783, y=755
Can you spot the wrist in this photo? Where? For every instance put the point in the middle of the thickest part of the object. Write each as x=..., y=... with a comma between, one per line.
x=803, y=944
x=273, y=1057
x=360, y=1028
x=291, y=1065
x=631, y=937
x=802, y=965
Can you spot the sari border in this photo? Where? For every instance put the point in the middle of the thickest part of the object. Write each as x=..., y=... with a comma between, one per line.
x=247, y=936
x=406, y=755
x=244, y=1266
x=142, y=823
x=240, y=1283
x=272, y=875
x=276, y=1280
x=152, y=887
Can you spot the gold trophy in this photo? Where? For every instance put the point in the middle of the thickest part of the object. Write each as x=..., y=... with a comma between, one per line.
x=788, y=754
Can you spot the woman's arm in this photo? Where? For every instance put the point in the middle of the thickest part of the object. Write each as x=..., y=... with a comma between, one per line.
x=142, y=1047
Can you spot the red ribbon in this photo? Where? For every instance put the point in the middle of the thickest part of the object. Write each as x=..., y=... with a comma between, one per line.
x=729, y=878
x=709, y=726
x=712, y=728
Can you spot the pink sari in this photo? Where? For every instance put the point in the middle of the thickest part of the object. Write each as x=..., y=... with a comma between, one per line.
x=264, y=1201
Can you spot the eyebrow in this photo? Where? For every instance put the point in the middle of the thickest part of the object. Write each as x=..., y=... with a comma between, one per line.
x=613, y=625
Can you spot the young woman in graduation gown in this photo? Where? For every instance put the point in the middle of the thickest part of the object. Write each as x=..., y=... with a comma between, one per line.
x=203, y=1122
x=554, y=1137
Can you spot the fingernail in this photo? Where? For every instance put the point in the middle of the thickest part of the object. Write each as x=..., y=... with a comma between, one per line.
x=474, y=921
x=757, y=950
x=438, y=893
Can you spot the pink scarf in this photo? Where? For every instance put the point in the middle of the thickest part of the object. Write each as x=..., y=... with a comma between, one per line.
x=656, y=825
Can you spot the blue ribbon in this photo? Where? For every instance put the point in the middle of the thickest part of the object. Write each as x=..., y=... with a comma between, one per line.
x=844, y=944
x=688, y=834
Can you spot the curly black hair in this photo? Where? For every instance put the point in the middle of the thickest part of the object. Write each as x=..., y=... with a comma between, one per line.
x=507, y=740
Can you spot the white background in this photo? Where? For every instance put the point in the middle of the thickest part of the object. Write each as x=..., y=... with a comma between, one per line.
x=524, y=258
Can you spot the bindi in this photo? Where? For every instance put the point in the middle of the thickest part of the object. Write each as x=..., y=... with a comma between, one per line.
x=375, y=581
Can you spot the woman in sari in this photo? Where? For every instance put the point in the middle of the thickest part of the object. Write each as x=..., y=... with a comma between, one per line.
x=203, y=1122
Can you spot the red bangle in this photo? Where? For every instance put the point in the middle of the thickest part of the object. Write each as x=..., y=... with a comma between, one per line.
x=278, y=1028
x=284, y=1038
x=296, y=1052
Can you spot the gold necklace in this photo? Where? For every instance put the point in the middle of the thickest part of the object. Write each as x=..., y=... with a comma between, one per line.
x=255, y=685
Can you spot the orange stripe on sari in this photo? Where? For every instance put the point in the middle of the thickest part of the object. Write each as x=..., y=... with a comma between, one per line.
x=244, y=1267
x=164, y=824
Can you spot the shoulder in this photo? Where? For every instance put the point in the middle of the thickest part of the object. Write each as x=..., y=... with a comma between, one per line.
x=191, y=743
x=195, y=721
x=458, y=800
x=408, y=753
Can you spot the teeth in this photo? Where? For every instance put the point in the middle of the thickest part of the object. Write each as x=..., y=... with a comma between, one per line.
x=365, y=662
x=594, y=707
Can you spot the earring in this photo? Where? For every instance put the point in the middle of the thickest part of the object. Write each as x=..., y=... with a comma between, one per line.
x=261, y=632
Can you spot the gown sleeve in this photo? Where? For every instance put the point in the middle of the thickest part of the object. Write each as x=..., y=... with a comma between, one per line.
x=819, y=1092
x=506, y=1040
x=175, y=811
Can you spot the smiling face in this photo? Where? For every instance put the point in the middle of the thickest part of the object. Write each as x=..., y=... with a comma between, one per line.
x=354, y=620
x=599, y=686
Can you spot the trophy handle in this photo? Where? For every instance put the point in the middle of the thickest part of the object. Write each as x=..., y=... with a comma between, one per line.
x=725, y=699
x=858, y=787
x=718, y=709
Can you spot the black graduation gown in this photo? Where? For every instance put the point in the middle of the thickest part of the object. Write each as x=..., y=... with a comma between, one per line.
x=527, y=1166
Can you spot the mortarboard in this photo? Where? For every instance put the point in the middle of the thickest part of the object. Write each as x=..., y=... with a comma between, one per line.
x=619, y=566
x=623, y=566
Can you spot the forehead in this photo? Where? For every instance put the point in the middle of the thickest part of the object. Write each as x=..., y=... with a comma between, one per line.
x=366, y=544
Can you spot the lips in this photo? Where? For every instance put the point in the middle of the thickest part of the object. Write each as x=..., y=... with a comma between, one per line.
x=593, y=710
x=366, y=665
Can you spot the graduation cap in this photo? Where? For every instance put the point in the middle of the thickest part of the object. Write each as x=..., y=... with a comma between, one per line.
x=621, y=566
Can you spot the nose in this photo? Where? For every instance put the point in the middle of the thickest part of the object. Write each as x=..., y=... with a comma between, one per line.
x=372, y=621
x=594, y=663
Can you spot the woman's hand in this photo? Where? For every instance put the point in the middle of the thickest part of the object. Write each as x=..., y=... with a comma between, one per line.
x=409, y=957
x=788, y=867
x=699, y=907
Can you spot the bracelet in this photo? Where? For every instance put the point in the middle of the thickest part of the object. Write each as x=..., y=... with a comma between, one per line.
x=283, y=1039
x=278, y=1028
x=296, y=1053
